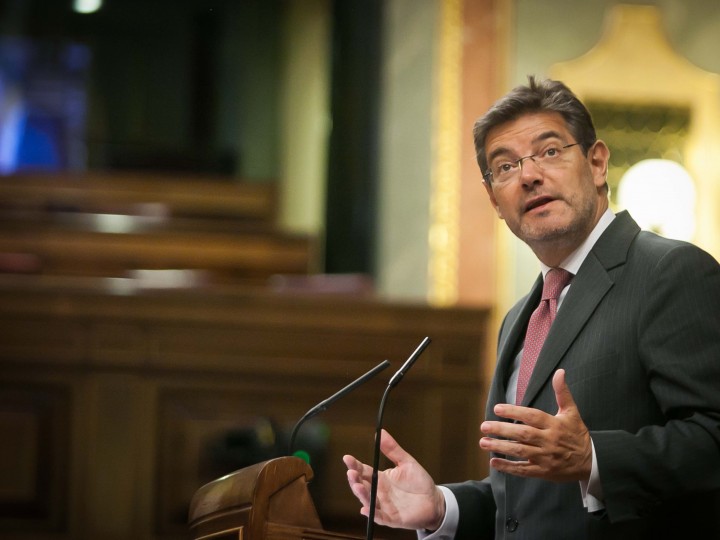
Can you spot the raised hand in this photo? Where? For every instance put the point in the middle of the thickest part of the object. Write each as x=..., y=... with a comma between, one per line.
x=556, y=448
x=406, y=494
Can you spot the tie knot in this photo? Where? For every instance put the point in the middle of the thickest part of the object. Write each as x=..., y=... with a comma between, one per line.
x=555, y=281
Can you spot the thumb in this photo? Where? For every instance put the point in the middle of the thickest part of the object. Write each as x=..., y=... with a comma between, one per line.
x=563, y=396
x=392, y=450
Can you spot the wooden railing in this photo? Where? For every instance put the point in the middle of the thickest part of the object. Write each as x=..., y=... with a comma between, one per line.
x=134, y=226
x=137, y=192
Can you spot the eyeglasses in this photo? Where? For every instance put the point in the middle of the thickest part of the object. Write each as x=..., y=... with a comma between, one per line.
x=505, y=171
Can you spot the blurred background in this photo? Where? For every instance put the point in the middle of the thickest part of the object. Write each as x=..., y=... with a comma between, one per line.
x=216, y=213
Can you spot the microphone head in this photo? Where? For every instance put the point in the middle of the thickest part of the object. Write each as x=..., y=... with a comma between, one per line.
x=409, y=362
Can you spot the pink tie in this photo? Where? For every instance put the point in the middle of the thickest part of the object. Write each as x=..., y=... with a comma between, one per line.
x=539, y=326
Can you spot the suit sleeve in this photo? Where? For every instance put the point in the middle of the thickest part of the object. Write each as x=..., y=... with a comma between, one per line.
x=477, y=510
x=678, y=332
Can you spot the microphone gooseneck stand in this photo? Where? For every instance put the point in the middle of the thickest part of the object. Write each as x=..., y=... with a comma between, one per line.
x=320, y=407
x=378, y=429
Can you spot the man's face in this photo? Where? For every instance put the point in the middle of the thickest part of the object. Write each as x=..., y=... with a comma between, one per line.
x=550, y=207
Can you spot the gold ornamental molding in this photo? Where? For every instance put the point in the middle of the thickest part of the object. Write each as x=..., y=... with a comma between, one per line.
x=444, y=235
x=633, y=73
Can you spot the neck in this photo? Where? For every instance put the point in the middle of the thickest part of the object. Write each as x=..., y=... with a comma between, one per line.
x=554, y=253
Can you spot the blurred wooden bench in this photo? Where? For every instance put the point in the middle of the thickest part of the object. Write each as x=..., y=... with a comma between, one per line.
x=113, y=225
x=139, y=193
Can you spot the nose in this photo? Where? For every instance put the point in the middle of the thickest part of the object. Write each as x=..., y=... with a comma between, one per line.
x=530, y=172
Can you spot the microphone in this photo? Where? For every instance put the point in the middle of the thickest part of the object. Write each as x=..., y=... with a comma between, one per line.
x=320, y=407
x=376, y=459
x=400, y=373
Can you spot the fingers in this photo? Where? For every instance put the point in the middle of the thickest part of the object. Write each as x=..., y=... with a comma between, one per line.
x=359, y=478
x=389, y=447
x=499, y=434
x=362, y=492
x=357, y=472
x=359, y=485
x=517, y=468
x=360, y=473
x=535, y=417
x=554, y=447
x=364, y=471
x=525, y=415
x=352, y=463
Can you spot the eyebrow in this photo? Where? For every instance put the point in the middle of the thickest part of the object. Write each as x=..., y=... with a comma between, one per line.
x=545, y=135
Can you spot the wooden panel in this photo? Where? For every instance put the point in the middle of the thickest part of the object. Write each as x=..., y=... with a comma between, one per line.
x=34, y=457
x=158, y=392
x=31, y=338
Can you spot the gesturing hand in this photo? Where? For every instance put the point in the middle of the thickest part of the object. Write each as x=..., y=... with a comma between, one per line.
x=556, y=448
x=406, y=494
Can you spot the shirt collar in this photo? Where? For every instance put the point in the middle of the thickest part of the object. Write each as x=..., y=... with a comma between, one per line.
x=573, y=262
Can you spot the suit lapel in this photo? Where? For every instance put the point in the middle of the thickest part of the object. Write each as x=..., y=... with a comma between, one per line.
x=589, y=287
x=587, y=290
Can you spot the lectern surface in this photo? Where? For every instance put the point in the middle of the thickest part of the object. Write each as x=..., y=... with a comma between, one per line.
x=266, y=501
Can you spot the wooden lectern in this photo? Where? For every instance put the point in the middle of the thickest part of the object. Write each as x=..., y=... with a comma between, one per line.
x=266, y=501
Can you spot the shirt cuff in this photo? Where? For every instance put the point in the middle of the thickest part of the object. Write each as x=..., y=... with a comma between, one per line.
x=449, y=526
x=592, y=488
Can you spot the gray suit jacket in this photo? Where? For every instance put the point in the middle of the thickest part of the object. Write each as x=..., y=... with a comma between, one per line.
x=639, y=337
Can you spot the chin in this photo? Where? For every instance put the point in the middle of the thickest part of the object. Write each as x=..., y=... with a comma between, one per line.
x=545, y=232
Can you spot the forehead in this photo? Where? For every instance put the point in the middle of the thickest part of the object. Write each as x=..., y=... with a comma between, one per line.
x=524, y=131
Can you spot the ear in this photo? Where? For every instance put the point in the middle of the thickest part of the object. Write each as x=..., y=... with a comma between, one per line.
x=491, y=195
x=599, y=156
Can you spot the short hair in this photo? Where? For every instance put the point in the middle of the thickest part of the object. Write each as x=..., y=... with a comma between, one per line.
x=538, y=96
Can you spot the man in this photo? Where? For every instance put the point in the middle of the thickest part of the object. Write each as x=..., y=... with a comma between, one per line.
x=616, y=433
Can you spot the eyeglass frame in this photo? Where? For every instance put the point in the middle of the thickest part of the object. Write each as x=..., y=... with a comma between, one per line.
x=488, y=174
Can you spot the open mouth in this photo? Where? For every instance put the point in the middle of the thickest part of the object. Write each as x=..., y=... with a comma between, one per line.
x=538, y=202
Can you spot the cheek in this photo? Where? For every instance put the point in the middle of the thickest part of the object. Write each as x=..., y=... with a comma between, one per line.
x=503, y=202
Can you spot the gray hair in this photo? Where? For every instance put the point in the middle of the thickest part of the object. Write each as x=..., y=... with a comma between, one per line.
x=538, y=96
